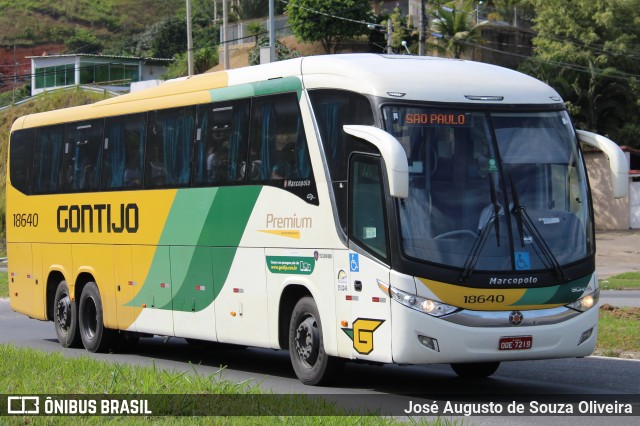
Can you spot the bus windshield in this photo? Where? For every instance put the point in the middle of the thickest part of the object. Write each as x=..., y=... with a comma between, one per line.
x=492, y=191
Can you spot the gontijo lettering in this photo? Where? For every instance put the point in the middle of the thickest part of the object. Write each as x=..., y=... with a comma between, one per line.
x=99, y=218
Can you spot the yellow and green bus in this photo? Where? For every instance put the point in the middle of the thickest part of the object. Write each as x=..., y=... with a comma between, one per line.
x=391, y=209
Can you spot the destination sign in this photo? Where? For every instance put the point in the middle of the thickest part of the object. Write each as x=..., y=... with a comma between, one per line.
x=436, y=119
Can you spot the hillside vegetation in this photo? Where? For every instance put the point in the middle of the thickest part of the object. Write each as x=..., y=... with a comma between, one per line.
x=35, y=22
x=44, y=102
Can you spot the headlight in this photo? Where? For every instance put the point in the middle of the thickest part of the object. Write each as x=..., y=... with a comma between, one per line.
x=427, y=306
x=585, y=302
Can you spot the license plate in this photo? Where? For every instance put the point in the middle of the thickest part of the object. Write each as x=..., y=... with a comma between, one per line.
x=515, y=343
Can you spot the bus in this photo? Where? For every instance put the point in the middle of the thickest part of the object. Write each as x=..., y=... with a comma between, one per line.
x=386, y=209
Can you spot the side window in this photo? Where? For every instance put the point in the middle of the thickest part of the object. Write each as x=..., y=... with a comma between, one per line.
x=170, y=137
x=48, y=160
x=367, y=219
x=278, y=146
x=221, y=143
x=123, y=148
x=333, y=109
x=82, y=155
x=21, y=159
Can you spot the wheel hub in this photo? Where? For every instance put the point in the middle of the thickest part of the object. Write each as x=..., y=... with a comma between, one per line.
x=64, y=312
x=308, y=341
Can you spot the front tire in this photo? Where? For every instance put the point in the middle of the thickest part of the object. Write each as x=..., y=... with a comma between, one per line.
x=475, y=370
x=310, y=362
x=95, y=337
x=65, y=317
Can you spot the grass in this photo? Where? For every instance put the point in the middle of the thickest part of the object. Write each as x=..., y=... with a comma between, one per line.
x=27, y=372
x=618, y=331
x=628, y=280
x=4, y=285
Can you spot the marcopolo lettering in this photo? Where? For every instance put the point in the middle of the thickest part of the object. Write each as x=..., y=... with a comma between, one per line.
x=514, y=280
x=99, y=218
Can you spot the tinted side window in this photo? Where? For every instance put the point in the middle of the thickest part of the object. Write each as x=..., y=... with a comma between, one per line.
x=169, y=148
x=82, y=155
x=48, y=160
x=333, y=109
x=123, y=152
x=221, y=142
x=278, y=147
x=21, y=159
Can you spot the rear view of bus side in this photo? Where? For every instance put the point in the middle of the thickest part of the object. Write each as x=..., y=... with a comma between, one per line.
x=392, y=209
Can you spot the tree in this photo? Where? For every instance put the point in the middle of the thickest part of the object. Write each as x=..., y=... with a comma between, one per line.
x=282, y=51
x=203, y=60
x=330, y=22
x=457, y=29
x=593, y=46
x=401, y=31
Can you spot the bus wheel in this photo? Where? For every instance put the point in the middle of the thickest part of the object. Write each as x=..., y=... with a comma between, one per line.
x=65, y=317
x=306, y=346
x=475, y=370
x=95, y=337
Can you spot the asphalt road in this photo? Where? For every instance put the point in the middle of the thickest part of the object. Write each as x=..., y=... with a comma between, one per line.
x=363, y=385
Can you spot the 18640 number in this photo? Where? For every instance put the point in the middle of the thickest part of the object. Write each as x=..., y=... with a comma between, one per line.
x=25, y=220
x=498, y=298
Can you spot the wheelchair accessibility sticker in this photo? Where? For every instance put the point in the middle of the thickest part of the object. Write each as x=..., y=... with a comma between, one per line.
x=523, y=261
x=354, y=262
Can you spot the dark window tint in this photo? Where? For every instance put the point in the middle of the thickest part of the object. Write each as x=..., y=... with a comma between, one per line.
x=278, y=147
x=221, y=142
x=48, y=160
x=367, y=216
x=169, y=148
x=333, y=109
x=123, y=152
x=82, y=155
x=21, y=159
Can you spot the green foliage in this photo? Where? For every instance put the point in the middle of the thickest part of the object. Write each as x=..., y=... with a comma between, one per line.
x=309, y=26
x=628, y=280
x=4, y=284
x=402, y=30
x=203, y=60
x=282, y=51
x=113, y=22
x=593, y=48
x=457, y=28
x=83, y=42
x=164, y=39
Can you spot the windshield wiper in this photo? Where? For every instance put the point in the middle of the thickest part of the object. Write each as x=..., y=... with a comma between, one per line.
x=472, y=259
x=523, y=218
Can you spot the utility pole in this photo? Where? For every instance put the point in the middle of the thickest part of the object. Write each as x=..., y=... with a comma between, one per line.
x=15, y=73
x=389, y=37
x=422, y=37
x=225, y=44
x=189, y=40
x=272, y=32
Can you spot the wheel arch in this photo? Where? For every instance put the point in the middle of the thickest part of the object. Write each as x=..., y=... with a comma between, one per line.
x=288, y=299
x=53, y=279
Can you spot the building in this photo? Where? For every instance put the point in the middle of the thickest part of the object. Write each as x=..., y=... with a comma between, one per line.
x=115, y=73
x=610, y=213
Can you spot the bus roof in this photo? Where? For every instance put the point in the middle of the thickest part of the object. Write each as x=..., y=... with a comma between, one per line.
x=391, y=76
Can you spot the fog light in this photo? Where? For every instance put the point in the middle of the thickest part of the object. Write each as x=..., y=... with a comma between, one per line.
x=429, y=342
x=585, y=336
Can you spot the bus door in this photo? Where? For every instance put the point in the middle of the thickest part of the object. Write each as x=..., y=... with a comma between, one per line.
x=369, y=328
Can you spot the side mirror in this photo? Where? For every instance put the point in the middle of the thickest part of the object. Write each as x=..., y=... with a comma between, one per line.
x=394, y=156
x=617, y=161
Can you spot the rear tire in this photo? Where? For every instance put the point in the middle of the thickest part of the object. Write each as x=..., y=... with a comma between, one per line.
x=65, y=317
x=310, y=362
x=475, y=370
x=95, y=337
